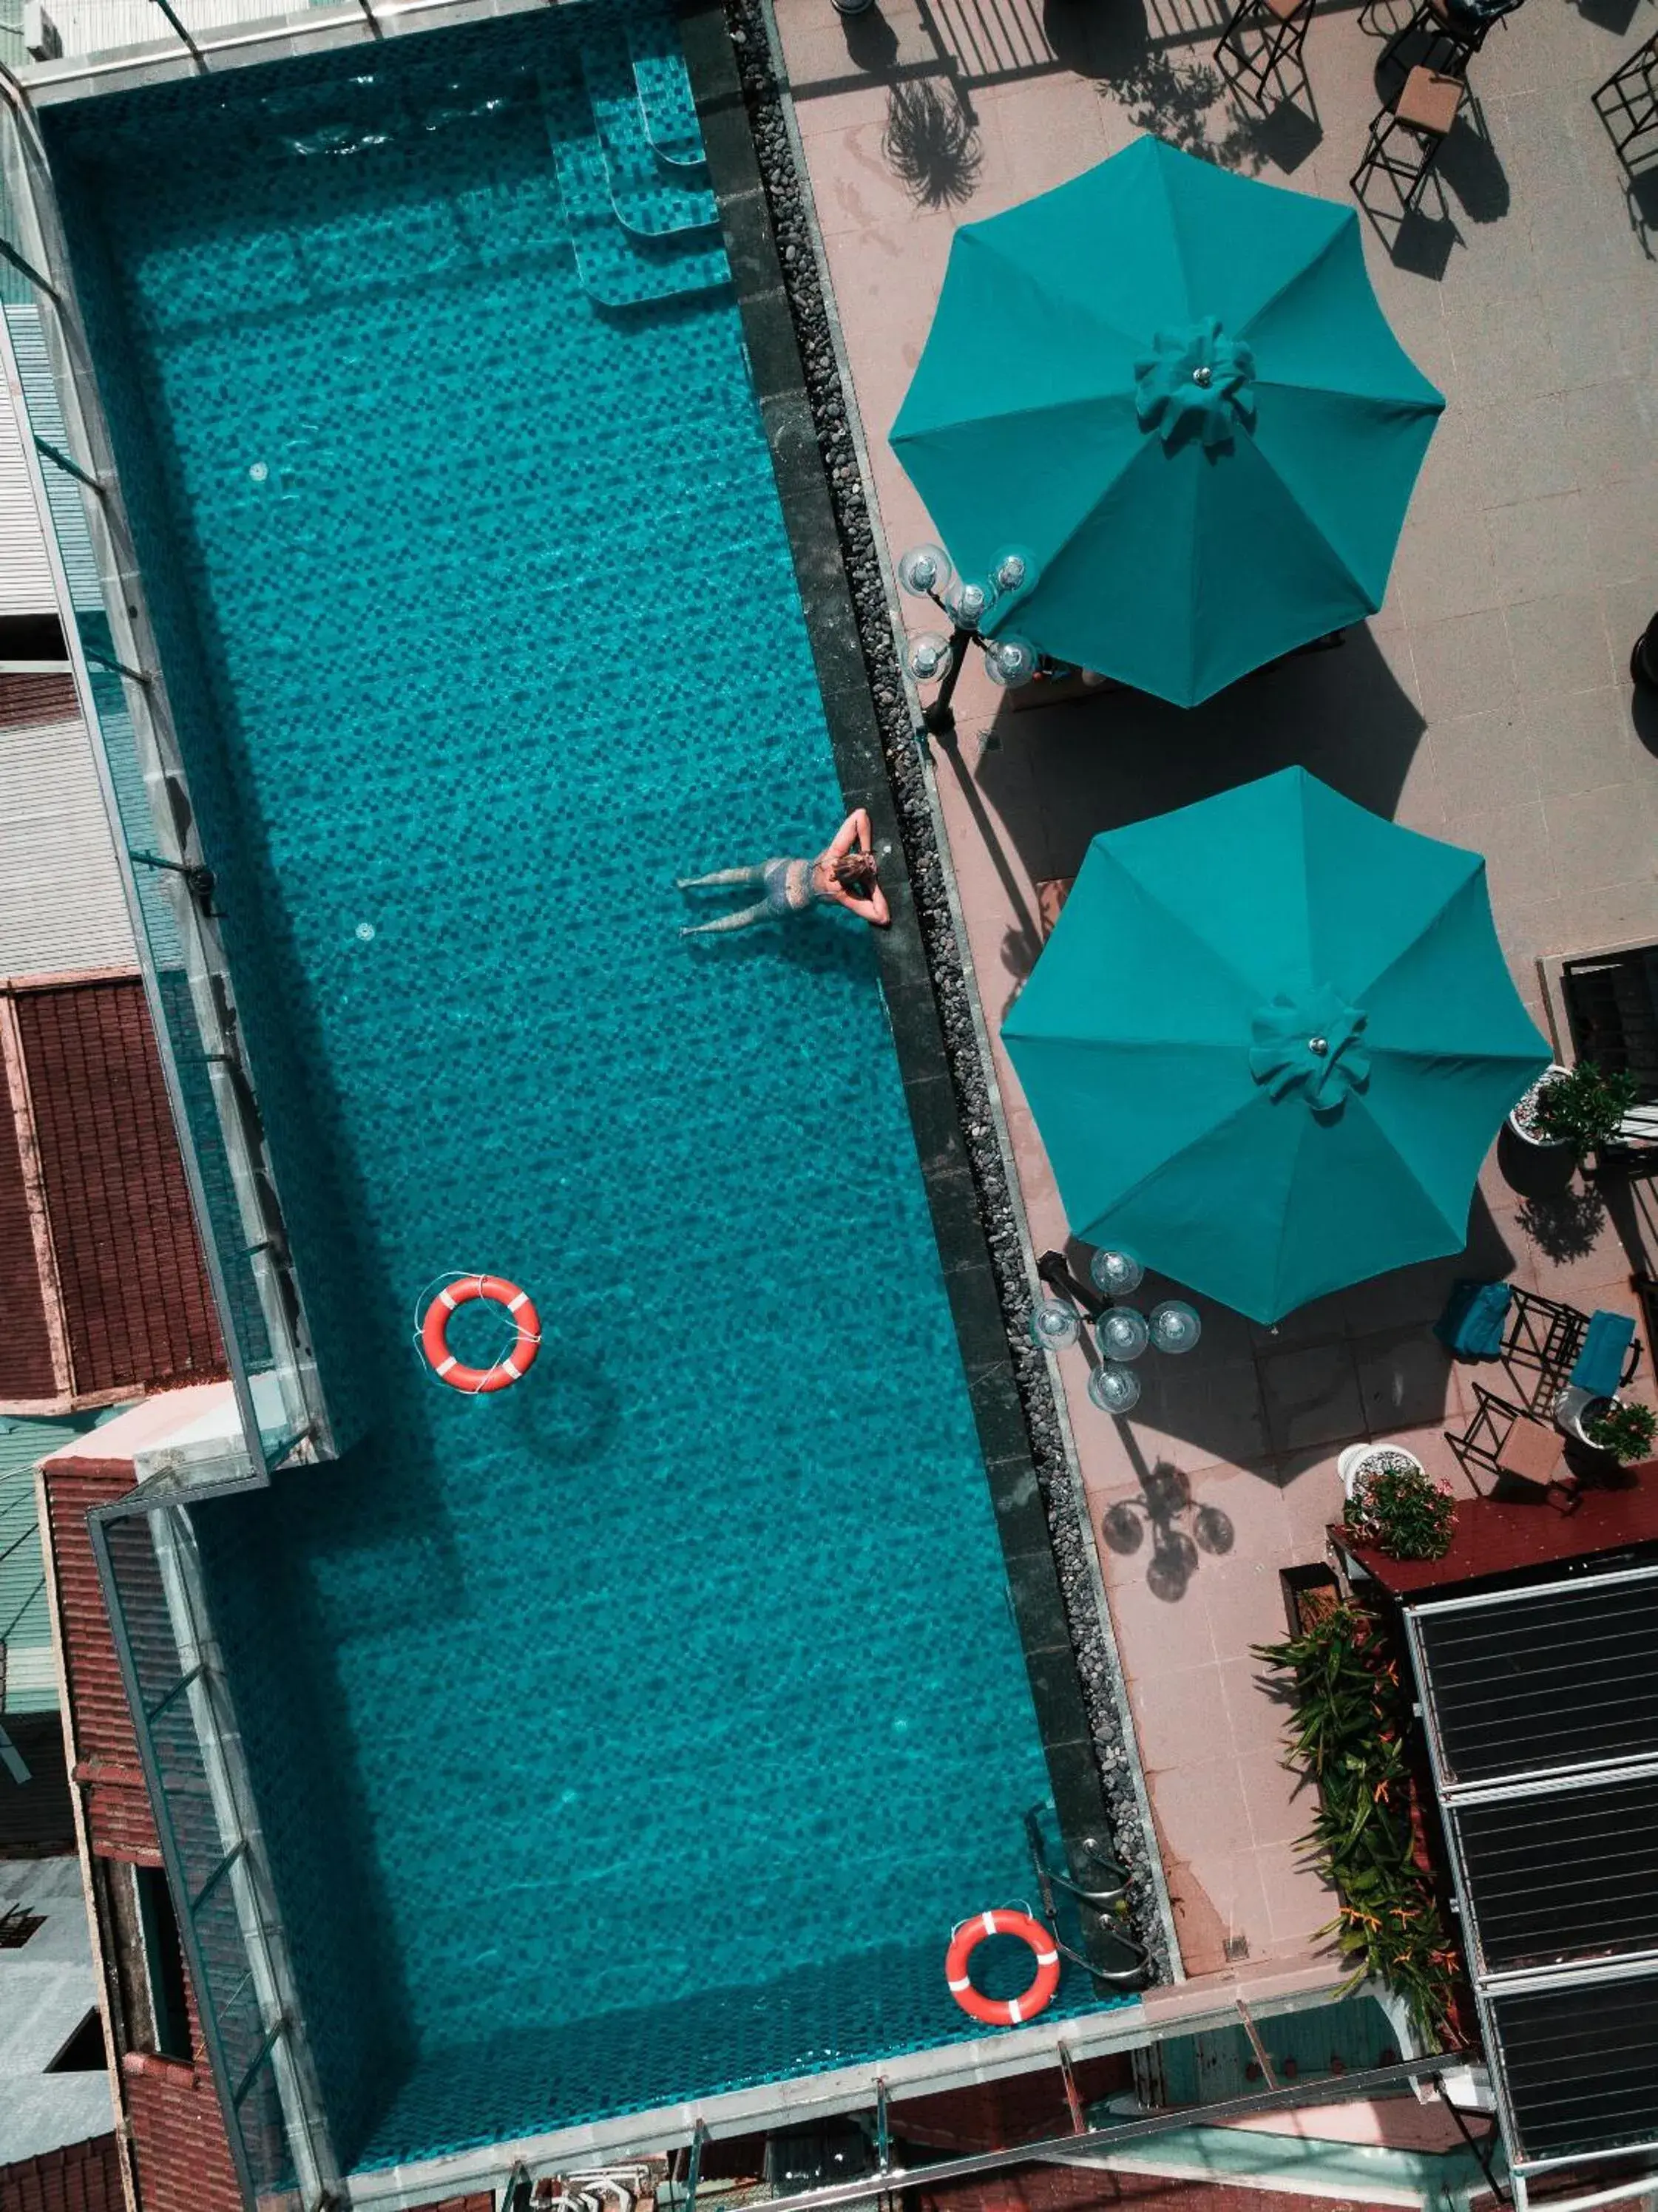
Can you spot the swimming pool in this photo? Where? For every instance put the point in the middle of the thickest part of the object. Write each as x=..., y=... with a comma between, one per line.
x=640, y=1732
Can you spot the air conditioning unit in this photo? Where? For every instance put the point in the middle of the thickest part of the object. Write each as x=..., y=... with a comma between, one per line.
x=42, y=36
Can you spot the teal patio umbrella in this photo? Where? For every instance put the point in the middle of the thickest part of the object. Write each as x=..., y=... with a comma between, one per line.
x=1270, y=1042
x=1171, y=389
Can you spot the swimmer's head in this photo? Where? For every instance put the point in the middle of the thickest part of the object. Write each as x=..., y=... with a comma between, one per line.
x=855, y=868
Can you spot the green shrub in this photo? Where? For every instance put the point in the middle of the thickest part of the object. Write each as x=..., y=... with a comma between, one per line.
x=1400, y=1509
x=1584, y=1108
x=1628, y=1431
x=1347, y=1735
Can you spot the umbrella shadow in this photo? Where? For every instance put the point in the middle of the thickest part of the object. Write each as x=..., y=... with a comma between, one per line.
x=1054, y=775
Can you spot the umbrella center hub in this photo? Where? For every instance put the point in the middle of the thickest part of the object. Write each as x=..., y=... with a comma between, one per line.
x=1309, y=1048
x=1196, y=383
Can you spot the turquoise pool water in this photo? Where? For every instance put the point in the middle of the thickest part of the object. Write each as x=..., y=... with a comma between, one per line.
x=640, y=1731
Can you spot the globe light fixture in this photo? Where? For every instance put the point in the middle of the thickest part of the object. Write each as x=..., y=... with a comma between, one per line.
x=1009, y=660
x=1175, y=1325
x=1012, y=570
x=926, y=573
x=1054, y=1325
x=1123, y=1334
x=966, y=603
x=1116, y=1273
x=928, y=657
x=1114, y=1390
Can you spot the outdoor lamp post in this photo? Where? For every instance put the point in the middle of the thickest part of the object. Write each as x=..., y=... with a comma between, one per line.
x=1009, y=660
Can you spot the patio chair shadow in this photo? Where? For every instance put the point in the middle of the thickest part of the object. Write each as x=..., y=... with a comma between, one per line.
x=1468, y=163
x=1614, y=15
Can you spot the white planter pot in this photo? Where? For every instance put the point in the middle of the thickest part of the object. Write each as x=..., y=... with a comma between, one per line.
x=1528, y=1136
x=1575, y=1409
x=1354, y=1461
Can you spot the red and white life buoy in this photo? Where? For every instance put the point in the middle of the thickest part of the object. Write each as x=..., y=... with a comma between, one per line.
x=1001, y=2012
x=434, y=1333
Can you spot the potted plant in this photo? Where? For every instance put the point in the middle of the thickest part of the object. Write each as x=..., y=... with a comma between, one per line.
x=1626, y=1430
x=1578, y=1109
x=1395, y=1506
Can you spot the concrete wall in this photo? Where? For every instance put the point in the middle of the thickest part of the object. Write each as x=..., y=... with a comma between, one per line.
x=46, y=1990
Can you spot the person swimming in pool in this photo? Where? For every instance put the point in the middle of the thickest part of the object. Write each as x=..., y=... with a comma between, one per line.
x=844, y=874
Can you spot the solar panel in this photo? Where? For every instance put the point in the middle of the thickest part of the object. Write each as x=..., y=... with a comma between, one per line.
x=1572, y=1874
x=1568, y=1678
x=1544, y=1742
x=1582, y=2065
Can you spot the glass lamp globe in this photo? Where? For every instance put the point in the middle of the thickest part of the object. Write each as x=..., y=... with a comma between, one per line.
x=1122, y=1333
x=1114, y=1390
x=1053, y=1325
x=928, y=657
x=1010, y=661
x=1013, y=570
x=1116, y=1273
x=923, y=569
x=967, y=604
x=1175, y=1325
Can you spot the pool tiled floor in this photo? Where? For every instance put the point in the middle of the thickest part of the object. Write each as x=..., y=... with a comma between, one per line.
x=1488, y=703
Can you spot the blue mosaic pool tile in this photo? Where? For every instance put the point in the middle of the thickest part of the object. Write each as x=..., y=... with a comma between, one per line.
x=664, y=90
x=618, y=266
x=647, y=197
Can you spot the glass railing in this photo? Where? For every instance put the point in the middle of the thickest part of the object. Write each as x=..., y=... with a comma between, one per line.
x=124, y=702
x=231, y=1934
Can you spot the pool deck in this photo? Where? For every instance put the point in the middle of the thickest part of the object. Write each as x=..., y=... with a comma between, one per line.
x=1487, y=703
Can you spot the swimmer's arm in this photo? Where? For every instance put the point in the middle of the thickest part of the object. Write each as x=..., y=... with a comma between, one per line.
x=874, y=908
x=852, y=834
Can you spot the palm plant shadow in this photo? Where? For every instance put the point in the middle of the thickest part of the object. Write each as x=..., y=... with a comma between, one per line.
x=931, y=145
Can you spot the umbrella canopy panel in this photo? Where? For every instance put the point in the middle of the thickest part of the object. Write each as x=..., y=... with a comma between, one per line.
x=1174, y=388
x=1269, y=1042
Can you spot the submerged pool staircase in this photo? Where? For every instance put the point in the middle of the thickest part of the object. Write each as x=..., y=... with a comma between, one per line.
x=642, y=221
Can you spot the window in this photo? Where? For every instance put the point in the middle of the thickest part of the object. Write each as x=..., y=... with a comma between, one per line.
x=16, y=1926
x=164, y=1960
x=84, y=2052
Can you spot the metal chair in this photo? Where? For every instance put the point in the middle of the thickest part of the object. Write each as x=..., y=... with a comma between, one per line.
x=1262, y=37
x=1513, y=1446
x=1543, y=1335
x=1627, y=103
x=1423, y=114
x=1454, y=32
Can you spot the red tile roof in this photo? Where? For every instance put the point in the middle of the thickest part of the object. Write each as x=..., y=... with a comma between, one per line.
x=135, y=1308
x=27, y=1373
x=84, y=2177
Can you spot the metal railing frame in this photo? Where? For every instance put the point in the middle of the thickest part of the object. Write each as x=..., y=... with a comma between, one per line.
x=41, y=258
x=243, y=1864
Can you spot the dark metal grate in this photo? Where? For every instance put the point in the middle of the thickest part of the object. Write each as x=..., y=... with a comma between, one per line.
x=1582, y=2065
x=1569, y=1679
x=1570, y=1875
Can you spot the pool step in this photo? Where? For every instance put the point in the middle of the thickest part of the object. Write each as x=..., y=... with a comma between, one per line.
x=650, y=197
x=663, y=85
x=619, y=267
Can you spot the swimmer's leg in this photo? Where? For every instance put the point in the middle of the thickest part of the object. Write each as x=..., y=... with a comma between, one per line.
x=754, y=875
x=740, y=920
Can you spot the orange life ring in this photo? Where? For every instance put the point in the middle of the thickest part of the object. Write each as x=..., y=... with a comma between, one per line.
x=1001, y=2012
x=434, y=1333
